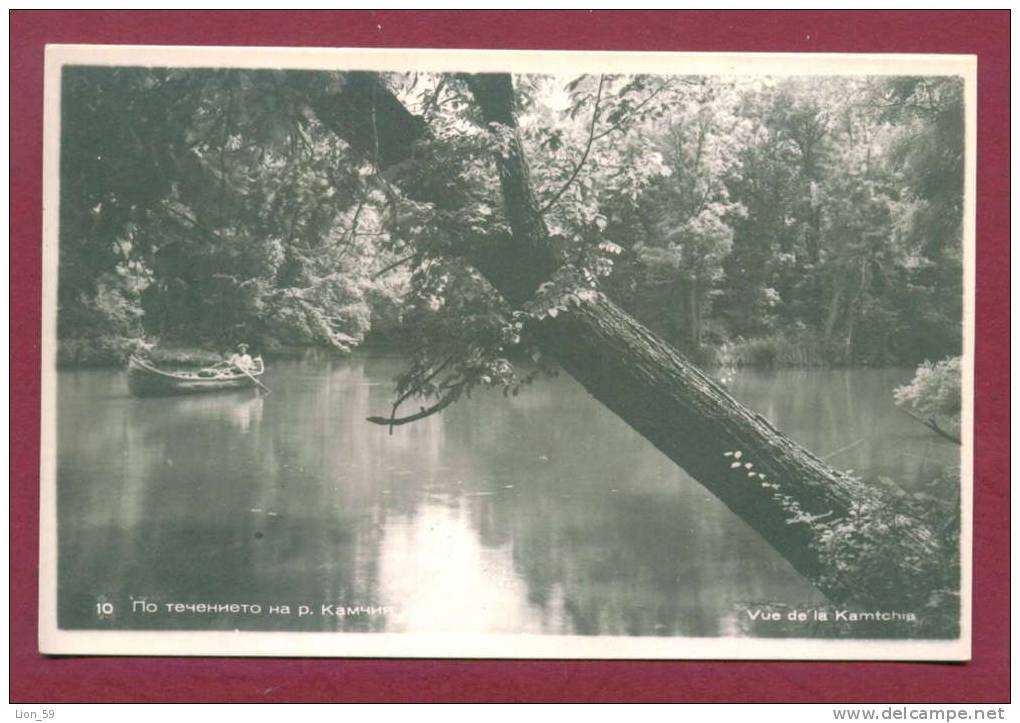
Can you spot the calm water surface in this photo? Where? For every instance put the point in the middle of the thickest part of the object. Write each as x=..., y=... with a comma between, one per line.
x=543, y=513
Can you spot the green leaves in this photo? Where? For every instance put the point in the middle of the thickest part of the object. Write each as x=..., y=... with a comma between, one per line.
x=934, y=392
x=731, y=205
x=216, y=196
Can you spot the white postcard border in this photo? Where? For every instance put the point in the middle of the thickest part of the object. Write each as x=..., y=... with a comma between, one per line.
x=53, y=640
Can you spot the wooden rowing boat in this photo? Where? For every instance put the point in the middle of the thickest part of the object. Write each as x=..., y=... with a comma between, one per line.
x=145, y=380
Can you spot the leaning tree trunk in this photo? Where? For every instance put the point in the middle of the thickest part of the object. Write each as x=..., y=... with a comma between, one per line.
x=652, y=387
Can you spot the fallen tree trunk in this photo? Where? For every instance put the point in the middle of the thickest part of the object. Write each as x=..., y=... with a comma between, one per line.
x=768, y=480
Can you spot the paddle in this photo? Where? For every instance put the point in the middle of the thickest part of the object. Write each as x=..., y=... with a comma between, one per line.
x=250, y=376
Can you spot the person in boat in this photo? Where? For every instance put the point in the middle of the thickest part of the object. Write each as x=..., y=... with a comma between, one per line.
x=240, y=359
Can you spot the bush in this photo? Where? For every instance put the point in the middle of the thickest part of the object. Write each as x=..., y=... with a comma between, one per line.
x=934, y=393
x=779, y=350
x=101, y=350
x=331, y=312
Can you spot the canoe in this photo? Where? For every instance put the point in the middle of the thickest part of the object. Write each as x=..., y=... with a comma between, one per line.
x=145, y=380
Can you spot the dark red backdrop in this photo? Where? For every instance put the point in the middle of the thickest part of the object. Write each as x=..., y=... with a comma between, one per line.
x=38, y=679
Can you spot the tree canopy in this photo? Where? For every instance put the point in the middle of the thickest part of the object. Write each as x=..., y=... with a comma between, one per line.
x=740, y=218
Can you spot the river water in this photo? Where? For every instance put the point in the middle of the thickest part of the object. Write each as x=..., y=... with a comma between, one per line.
x=542, y=514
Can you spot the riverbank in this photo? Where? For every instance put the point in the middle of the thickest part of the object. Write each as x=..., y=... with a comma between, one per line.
x=104, y=352
x=782, y=351
x=778, y=351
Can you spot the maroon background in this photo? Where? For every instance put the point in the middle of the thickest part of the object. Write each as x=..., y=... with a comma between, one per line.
x=38, y=679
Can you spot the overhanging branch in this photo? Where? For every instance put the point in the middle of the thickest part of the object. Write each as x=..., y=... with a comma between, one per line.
x=584, y=156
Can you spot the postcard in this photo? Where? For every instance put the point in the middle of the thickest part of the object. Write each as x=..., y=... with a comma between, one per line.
x=489, y=354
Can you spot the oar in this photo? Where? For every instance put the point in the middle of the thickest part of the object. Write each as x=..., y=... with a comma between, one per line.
x=250, y=376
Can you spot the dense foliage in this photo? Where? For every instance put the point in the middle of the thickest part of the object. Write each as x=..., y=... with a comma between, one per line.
x=748, y=221
x=205, y=207
x=933, y=396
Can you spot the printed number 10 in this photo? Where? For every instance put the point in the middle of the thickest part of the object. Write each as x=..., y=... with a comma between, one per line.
x=104, y=608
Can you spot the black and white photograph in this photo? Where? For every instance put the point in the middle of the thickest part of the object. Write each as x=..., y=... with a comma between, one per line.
x=507, y=354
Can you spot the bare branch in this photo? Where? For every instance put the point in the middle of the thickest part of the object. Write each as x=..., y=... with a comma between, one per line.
x=931, y=424
x=194, y=223
x=346, y=241
x=439, y=406
x=389, y=267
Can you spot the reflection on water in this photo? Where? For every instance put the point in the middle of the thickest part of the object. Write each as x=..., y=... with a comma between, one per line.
x=846, y=416
x=541, y=514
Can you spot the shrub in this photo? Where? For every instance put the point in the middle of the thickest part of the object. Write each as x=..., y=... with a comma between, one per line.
x=100, y=350
x=779, y=350
x=934, y=393
x=331, y=312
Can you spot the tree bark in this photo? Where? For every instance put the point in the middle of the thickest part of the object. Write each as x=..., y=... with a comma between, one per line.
x=651, y=386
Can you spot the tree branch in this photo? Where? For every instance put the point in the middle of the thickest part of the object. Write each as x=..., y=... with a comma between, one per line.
x=584, y=156
x=931, y=424
x=439, y=406
x=389, y=267
x=425, y=378
x=345, y=242
x=434, y=100
x=616, y=126
x=194, y=223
